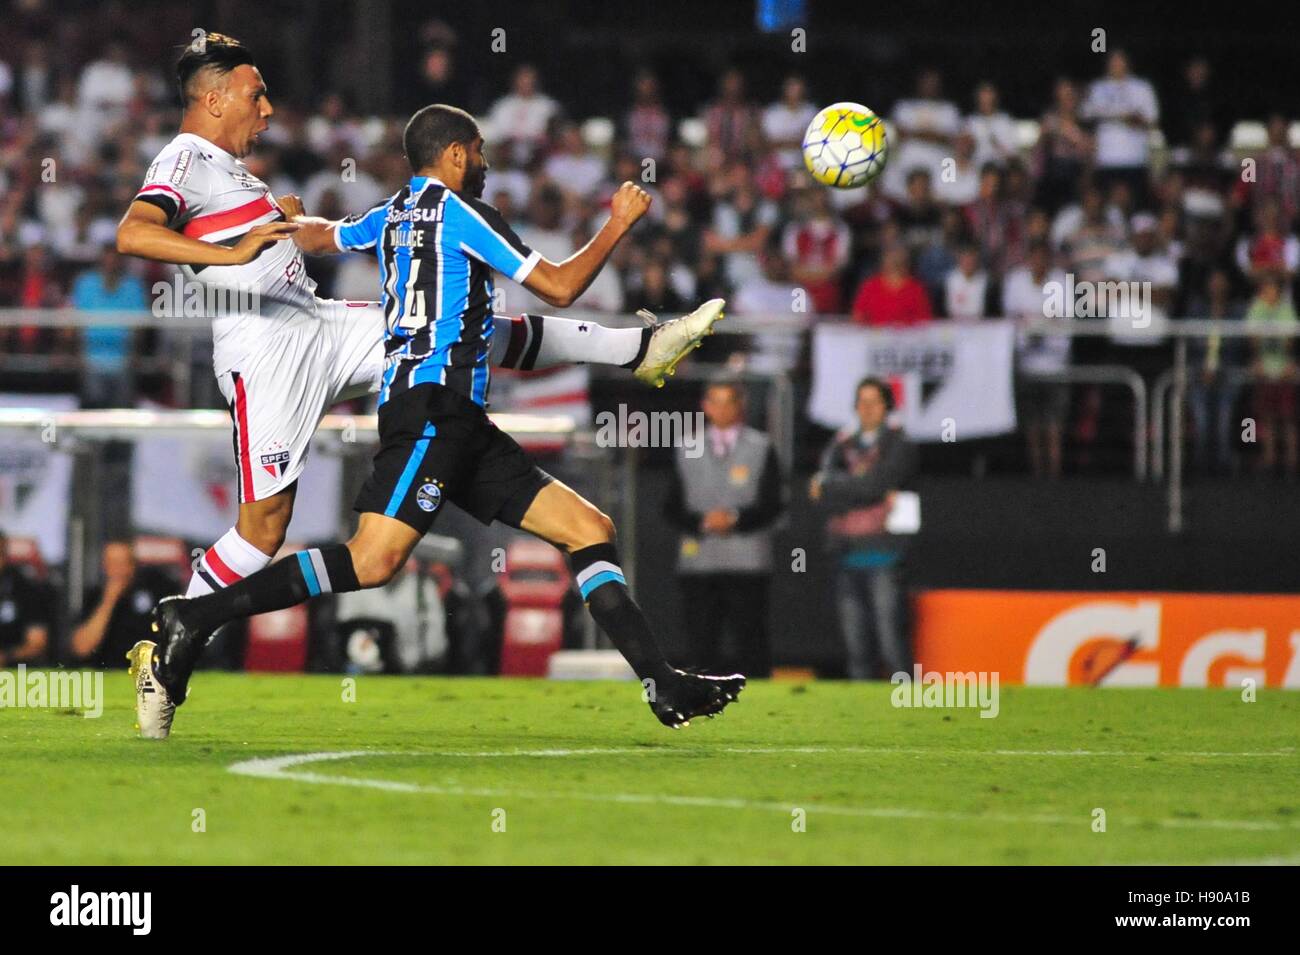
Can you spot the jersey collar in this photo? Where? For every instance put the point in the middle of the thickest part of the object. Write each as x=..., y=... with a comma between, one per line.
x=208, y=144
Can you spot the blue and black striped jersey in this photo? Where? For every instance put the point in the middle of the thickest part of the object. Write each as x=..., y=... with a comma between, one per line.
x=436, y=254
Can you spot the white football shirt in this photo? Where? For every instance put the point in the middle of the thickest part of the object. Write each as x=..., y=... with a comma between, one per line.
x=211, y=196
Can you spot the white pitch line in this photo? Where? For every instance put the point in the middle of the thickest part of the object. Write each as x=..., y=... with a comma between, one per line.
x=864, y=750
x=280, y=767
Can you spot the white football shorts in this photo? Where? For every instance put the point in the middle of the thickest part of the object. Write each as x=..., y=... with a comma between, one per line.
x=278, y=395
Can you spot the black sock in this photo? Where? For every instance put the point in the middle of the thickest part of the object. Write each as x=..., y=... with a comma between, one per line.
x=600, y=580
x=640, y=356
x=285, y=583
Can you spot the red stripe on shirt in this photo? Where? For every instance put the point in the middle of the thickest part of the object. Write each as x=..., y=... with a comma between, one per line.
x=220, y=221
x=220, y=568
x=241, y=425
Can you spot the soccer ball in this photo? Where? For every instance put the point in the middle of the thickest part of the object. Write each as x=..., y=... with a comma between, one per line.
x=845, y=146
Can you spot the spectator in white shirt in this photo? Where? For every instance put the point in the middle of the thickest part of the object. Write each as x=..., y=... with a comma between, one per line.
x=958, y=182
x=521, y=117
x=1152, y=274
x=106, y=83
x=341, y=187
x=1042, y=405
x=81, y=238
x=926, y=125
x=104, y=90
x=503, y=178
x=1125, y=111
x=994, y=130
x=772, y=294
x=786, y=120
x=575, y=170
x=966, y=287
x=742, y=225
x=1089, y=213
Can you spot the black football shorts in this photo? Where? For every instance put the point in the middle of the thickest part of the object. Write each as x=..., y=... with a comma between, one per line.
x=436, y=445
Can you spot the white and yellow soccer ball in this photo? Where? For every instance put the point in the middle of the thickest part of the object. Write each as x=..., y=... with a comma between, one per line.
x=845, y=146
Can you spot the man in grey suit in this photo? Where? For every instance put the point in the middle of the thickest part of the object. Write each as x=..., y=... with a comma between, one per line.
x=860, y=472
x=725, y=502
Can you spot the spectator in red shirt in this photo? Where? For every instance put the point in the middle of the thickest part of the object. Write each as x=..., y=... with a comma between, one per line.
x=39, y=288
x=816, y=244
x=1269, y=251
x=892, y=296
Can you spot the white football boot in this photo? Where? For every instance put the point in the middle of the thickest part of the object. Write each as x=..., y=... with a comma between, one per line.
x=671, y=341
x=154, y=709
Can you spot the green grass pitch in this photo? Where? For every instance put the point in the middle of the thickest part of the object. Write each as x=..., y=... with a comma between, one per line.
x=581, y=772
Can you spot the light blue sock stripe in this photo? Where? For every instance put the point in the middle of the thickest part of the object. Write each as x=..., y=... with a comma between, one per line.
x=408, y=472
x=308, y=573
x=604, y=577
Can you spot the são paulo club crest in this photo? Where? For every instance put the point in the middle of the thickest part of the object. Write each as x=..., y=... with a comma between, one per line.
x=275, y=459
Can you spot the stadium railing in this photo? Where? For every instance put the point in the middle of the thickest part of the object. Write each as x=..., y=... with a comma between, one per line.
x=1159, y=425
x=1167, y=442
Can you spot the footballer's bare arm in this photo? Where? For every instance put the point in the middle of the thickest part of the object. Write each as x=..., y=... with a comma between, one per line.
x=315, y=235
x=143, y=232
x=559, y=284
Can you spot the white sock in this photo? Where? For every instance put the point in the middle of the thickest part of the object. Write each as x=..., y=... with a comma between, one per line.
x=228, y=561
x=541, y=341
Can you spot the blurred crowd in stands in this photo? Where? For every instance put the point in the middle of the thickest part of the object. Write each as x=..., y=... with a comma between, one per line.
x=1118, y=178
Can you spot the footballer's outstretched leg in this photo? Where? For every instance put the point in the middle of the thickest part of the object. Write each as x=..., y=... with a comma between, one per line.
x=542, y=341
x=673, y=340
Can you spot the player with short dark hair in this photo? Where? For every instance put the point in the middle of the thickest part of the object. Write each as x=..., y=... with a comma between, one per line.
x=438, y=244
x=432, y=129
x=214, y=55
